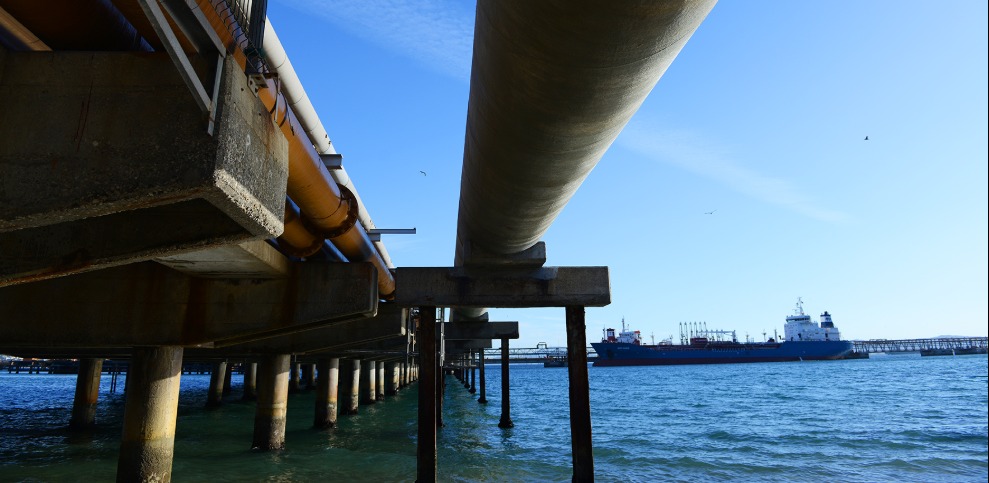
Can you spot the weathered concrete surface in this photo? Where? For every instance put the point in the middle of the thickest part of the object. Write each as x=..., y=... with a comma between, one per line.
x=327, y=385
x=147, y=304
x=463, y=287
x=150, y=409
x=272, y=406
x=106, y=160
x=252, y=259
x=388, y=323
x=87, y=393
x=480, y=330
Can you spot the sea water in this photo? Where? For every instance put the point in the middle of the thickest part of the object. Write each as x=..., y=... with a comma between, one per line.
x=889, y=418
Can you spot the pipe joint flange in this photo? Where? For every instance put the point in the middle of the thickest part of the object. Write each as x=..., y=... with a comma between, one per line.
x=353, y=213
x=303, y=252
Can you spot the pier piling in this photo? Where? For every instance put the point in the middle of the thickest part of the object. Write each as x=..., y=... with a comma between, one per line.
x=368, y=384
x=481, y=399
x=150, y=408
x=506, y=405
x=350, y=377
x=269, y=418
x=250, y=381
x=327, y=382
x=426, y=449
x=294, y=385
x=216, y=385
x=87, y=393
x=580, y=403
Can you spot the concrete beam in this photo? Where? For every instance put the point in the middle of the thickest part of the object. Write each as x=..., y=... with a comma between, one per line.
x=252, y=259
x=466, y=287
x=480, y=330
x=106, y=161
x=389, y=323
x=465, y=345
x=147, y=304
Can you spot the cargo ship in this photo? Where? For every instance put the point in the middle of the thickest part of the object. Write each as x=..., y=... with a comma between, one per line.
x=803, y=340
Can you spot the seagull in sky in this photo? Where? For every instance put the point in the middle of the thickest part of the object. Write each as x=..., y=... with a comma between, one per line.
x=423, y=172
x=710, y=212
x=866, y=138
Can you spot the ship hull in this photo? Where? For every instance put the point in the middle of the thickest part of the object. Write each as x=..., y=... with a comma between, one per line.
x=625, y=354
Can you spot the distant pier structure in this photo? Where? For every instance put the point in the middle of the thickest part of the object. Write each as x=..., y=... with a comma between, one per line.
x=934, y=346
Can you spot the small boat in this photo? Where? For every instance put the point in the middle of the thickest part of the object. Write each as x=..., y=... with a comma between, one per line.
x=555, y=360
x=803, y=340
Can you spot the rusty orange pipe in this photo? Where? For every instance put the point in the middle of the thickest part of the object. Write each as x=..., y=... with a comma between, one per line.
x=326, y=211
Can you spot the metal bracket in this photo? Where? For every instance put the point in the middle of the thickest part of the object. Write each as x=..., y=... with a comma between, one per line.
x=375, y=233
x=332, y=161
x=196, y=28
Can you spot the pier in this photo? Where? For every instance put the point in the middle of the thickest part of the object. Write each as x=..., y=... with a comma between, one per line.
x=932, y=346
x=172, y=199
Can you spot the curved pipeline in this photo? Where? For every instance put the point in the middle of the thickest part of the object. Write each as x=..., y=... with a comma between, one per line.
x=552, y=85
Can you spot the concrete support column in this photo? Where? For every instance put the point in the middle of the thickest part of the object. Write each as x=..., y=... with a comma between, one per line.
x=293, y=378
x=308, y=377
x=217, y=380
x=391, y=378
x=326, y=393
x=87, y=392
x=379, y=380
x=269, y=418
x=250, y=381
x=440, y=392
x=368, y=385
x=473, y=373
x=426, y=449
x=464, y=371
x=480, y=364
x=506, y=406
x=580, y=403
x=227, y=379
x=350, y=378
x=150, y=408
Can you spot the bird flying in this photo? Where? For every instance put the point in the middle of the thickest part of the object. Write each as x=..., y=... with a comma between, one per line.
x=423, y=172
x=866, y=138
x=710, y=212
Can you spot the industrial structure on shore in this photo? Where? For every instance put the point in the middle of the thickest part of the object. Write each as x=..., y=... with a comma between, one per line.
x=168, y=195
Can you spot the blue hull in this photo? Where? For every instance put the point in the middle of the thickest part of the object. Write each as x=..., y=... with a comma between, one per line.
x=625, y=354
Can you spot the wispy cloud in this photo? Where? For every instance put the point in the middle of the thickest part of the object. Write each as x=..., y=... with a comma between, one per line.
x=438, y=33
x=687, y=151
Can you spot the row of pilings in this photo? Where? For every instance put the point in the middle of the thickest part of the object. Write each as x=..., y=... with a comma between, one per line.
x=342, y=386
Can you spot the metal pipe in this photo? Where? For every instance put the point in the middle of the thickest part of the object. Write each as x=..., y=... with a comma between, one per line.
x=552, y=85
x=327, y=210
x=17, y=37
x=299, y=102
x=575, y=72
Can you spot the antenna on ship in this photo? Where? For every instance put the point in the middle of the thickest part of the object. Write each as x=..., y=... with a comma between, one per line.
x=799, y=310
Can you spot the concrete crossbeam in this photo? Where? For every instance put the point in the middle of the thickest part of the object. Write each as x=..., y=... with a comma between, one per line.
x=480, y=330
x=465, y=287
x=252, y=259
x=387, y=324
x=105, y=160
x=146, y=304
x=465, y=345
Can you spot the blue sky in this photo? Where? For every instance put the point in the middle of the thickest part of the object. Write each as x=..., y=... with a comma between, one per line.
x=762, y=117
